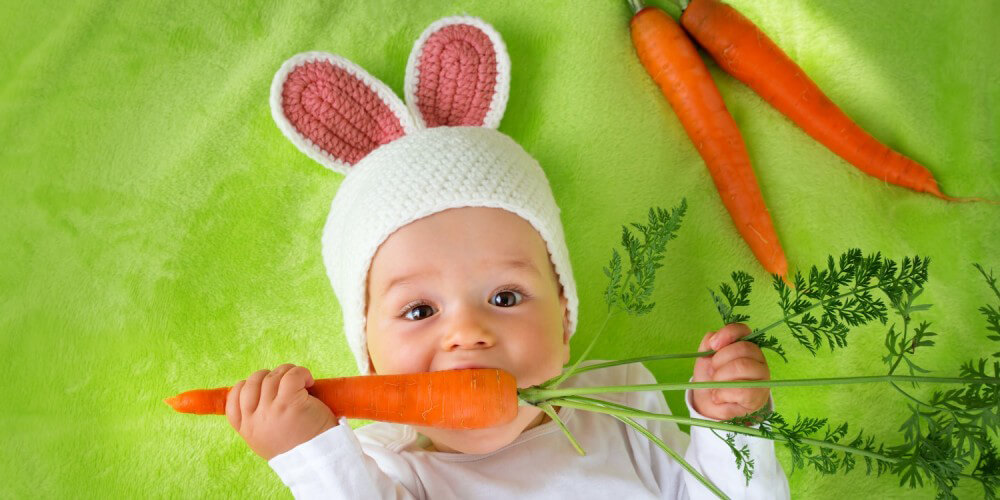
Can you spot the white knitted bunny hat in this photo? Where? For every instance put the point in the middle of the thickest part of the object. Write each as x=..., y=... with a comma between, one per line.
x=402, y=163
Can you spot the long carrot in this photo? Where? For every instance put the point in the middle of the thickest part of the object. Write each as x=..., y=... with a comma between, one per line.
x=670, y=57
x=454, y=399
x=746, y=53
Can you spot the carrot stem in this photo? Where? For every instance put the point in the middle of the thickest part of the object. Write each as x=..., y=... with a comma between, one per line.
x=601, y=406
x=670, y=451
x=567, y=373
x=535, y=395
x=551, y=412
x=672, y=7
x=659, y=357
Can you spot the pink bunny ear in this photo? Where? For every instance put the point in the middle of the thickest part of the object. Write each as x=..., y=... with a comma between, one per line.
x=334, y=111
x=458, y=74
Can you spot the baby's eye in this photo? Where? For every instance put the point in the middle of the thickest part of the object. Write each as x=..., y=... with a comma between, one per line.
x=419, y=307
x=507, y=298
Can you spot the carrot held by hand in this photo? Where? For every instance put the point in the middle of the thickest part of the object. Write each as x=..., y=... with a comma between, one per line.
x=454, y=399
x=746, y=53
x=672, y=60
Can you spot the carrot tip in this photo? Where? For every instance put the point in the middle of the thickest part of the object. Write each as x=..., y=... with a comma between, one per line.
x=172, y=401
x=967, y=200
x=784, y=277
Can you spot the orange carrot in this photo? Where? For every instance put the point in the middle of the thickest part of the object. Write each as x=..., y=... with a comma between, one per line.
x=743, y=51
x=671, y=59
x=453, y=399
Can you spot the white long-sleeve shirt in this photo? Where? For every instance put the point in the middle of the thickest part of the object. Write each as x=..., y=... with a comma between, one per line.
x=383, y=460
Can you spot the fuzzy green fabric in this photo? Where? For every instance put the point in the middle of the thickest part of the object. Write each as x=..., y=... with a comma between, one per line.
x=160, y=234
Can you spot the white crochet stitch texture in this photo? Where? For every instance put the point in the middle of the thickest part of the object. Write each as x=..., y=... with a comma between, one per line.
x=420, y=174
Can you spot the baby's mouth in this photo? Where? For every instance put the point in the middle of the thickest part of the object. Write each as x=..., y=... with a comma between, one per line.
x=467, y=367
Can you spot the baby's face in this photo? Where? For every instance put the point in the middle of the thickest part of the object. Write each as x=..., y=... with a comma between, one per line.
x=469, y=287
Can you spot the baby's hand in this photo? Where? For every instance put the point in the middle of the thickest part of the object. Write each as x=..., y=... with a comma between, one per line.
x=732, y=361
x=273, y=412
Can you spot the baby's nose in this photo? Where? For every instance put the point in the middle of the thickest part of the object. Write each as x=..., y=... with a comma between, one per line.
x=468, y=333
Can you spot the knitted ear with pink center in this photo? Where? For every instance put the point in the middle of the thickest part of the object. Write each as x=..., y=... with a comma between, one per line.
x=458, y=74
x=334, y=111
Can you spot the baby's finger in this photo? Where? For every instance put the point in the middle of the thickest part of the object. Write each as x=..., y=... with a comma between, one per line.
x=727, y=411
x=703, y=365
x=728, y=334
x=295, y=380
x=750, y=398
x=269, y=386
x=742, y=369
x=703, y=346
x=250, y=393
x=741, y=349
x=233, y=405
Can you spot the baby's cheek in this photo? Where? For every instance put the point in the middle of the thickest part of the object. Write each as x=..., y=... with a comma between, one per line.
x=538, y=362
x=407, y=359
x=395, y=355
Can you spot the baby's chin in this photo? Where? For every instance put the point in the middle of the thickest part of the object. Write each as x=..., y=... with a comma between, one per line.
x=480, y=441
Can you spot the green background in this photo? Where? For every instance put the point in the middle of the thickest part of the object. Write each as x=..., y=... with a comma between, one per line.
x=159, y=233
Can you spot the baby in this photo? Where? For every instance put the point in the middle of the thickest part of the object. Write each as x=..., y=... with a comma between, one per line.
x=446, y=251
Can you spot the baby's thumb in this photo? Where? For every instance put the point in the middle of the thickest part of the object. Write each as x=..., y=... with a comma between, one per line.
x=294, y=380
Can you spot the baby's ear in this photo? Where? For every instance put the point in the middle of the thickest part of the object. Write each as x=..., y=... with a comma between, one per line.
x=563, y=302
x=458, y=74
x=334, y=111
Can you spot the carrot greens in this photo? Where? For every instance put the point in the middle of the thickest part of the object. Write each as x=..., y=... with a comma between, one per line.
x=946, y=438
x=644, y=259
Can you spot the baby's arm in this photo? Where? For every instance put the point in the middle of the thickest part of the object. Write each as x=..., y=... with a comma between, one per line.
x=704, y=451
x=301, y=440
x=333, y=465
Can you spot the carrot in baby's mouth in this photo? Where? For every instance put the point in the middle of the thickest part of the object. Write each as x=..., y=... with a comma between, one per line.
x=453, y=399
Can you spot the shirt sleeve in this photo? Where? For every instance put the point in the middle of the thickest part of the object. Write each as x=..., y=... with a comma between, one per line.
x=705, y=452
x=334, y=465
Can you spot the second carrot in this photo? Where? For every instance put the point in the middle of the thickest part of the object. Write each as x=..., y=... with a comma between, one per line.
x=671, y=59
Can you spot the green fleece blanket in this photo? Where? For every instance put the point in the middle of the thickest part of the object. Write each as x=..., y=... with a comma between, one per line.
x=159, y=233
